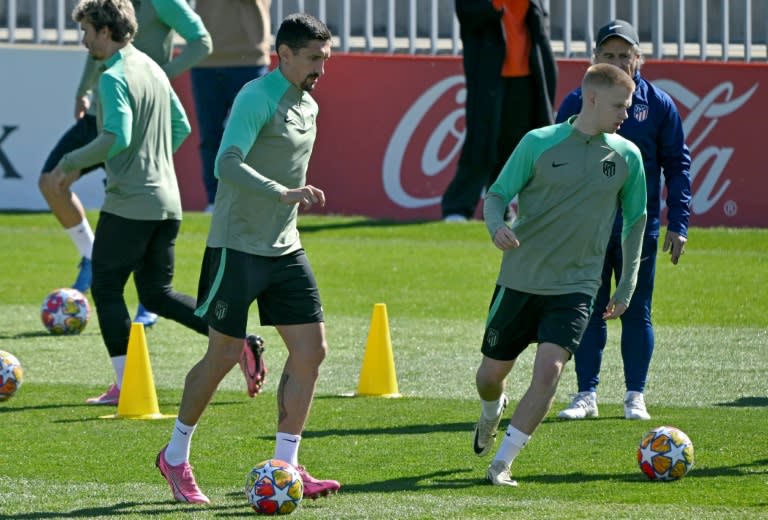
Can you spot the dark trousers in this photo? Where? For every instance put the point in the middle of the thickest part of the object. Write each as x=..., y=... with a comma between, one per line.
x=214, y=90
x=146, y=248
x=463, y=193
x=637, y=337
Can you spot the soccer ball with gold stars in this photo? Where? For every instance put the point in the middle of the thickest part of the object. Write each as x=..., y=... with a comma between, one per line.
x=274, y=487
x=665, y=453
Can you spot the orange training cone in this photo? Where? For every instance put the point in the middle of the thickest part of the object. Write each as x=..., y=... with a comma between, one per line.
x=138, y=399
x=378, y=376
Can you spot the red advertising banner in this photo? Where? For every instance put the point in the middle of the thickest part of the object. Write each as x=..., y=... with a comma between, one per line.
x=722, y=110
x=391, y=128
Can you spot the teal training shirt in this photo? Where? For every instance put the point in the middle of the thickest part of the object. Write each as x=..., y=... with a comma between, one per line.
x=144, y=123
x=265, y=151
x=569, y=187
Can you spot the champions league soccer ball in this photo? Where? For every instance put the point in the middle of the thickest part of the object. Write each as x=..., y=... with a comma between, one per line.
x=65, y=311
x=665, y=453
x=11, y=375
x=274, y=487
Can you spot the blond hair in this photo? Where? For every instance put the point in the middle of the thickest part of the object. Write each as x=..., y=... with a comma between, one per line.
x=603, y=75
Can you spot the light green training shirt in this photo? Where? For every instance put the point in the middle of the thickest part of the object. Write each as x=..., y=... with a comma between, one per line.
x=142, y=124
x=569, y=186
x=264, y=152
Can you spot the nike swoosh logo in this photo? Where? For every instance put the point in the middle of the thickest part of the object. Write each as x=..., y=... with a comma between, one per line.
x=290, y=440
x=558, y=165
x=181, y=432
x=476, y=446
x=612, y=27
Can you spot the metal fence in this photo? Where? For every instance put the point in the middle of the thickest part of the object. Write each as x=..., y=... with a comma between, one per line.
x=678, y=29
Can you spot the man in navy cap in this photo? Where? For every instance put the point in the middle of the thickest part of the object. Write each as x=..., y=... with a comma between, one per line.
x=654, y=125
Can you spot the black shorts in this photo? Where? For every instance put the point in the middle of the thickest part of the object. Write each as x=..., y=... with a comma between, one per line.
x=517, y=319
x=78, y=135
x=284, y=287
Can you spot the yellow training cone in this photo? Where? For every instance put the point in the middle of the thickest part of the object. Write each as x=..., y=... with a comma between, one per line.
x=378, y=377
x=138, y=399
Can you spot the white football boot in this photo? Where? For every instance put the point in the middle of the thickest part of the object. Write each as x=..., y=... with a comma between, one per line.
x=584, y=405
x=634, y=407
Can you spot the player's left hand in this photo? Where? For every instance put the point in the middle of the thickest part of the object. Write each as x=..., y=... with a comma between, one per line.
x=505, y=238
x=613, y=310
x=675, y=244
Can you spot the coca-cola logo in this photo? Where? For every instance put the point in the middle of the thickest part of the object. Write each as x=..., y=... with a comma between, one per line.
x=707, y=162
x=442, y=147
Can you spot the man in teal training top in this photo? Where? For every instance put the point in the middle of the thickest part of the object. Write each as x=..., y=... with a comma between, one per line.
x=159, y=21
x=570, y=180
x=253, y=252
x=142, y=123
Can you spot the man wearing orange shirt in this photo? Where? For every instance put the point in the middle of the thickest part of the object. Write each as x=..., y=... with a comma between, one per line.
x=511, y=78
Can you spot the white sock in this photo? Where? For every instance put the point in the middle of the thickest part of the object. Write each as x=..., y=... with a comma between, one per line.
x=287, y=448
x=118, y=363
x=82, y=236
x=178, y=449
x=514, y=441
x=491, y=409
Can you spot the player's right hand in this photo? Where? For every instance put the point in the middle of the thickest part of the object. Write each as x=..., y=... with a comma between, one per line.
x=613, y=310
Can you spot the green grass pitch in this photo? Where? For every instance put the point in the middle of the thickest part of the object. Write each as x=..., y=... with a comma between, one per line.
x=406, y=458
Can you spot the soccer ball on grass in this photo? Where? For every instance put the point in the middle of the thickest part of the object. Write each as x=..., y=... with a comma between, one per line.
x=65, y=311
x=274, y=487
x=11, y=375
x=665, y=453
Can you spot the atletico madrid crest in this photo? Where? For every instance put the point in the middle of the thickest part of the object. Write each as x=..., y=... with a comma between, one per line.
x=640, y=112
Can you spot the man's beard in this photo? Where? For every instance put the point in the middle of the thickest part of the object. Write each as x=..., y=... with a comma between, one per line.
x=309, y=83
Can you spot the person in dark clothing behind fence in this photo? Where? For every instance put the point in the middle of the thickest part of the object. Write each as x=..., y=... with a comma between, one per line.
x=511, y=78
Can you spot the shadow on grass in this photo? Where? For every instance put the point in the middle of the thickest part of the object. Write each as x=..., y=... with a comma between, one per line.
x=164, y=407
x=417, y=429
x=738, y=470
x=412, y=429
x=444, y=479
x=46, y=334
x=22, y=335
x=361, y=223
x=43, y=407
x=102, y=410
x=746, y=402
x=435, y=480
x=127, y=509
